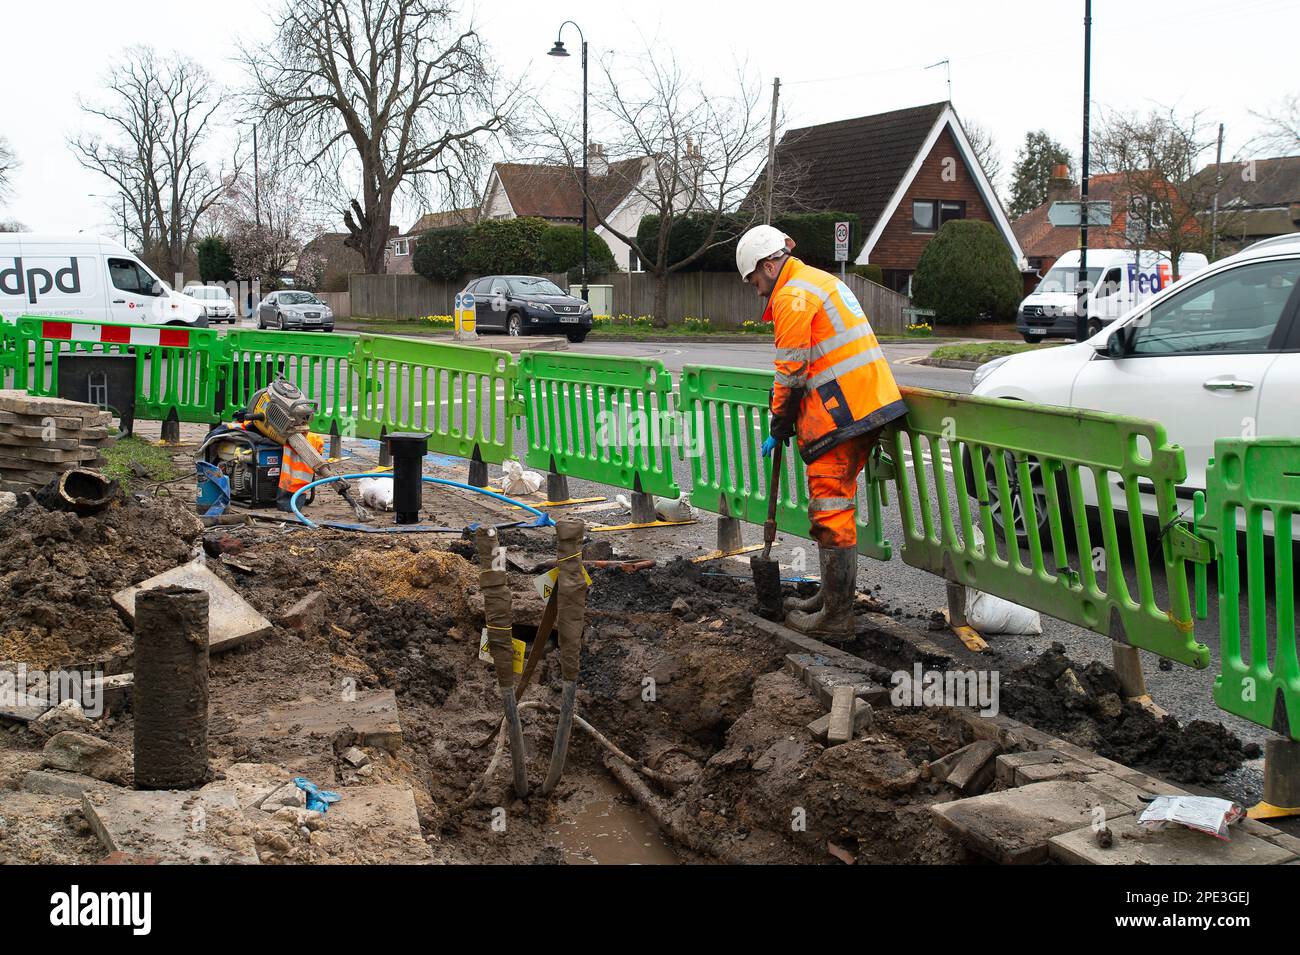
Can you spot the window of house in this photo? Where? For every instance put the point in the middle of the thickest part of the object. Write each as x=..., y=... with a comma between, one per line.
x=925, y=216
x=399, y=247
x=950, y=209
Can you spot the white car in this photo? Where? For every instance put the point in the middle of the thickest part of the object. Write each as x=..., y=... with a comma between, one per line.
x=1215, y=355
x=216, y=300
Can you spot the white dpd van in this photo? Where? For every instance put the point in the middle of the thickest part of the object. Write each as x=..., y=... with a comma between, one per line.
x=86, y=277
x=1118, y=283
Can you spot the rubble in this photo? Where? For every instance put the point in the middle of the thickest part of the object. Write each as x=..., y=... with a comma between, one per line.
x=87, y=755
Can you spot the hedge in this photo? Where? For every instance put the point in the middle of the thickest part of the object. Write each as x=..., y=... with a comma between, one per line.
x=524, y=246
x=966, y=274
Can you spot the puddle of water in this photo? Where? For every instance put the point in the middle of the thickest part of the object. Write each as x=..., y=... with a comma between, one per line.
x=603, y=830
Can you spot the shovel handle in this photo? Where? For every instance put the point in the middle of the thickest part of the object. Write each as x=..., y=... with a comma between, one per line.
x=773, y=494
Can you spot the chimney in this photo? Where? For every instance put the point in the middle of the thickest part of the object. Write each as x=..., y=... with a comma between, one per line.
x=597, y=165
x=1060, y=187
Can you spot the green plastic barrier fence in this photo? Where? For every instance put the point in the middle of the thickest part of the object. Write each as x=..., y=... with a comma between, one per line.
x=726, y=414
x=600, y=418
x=463, y=396
x=8, y=353
x=177, y=368
x=319, y=364
x=1254, y=483
x=1070, y=459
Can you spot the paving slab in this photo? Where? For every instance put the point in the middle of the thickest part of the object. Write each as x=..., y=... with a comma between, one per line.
x=249, y=783
x=1053, y=769
x=181, y=827
x=1173, y=845
x=379, y=822
x=370, y=719
x=1013, y=826
x=1008, y=763
x=231, y=619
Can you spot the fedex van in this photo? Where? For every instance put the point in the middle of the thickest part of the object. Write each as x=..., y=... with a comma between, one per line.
x=1117, y=283
x=86, y=277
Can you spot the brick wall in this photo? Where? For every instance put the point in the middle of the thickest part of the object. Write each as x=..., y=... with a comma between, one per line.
x=899, y=247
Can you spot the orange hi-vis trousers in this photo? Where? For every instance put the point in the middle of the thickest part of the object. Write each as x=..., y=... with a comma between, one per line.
x=832, y=483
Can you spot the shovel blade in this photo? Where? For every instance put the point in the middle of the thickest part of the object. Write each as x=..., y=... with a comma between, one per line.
x=767, y=581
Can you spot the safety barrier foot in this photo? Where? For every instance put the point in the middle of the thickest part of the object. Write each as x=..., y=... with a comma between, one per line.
x=955, y=614
x=730, y=542
x=1281, y=781
x=385, y=453
x=336, y=441
x=478, y=475
x=171, y=428
x=557, y=485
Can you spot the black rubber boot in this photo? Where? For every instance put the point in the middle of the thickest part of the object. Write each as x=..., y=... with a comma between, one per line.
x=839, y=578
x=813, y=603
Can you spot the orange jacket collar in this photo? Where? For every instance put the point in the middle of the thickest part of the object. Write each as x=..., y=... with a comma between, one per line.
x=782, y=277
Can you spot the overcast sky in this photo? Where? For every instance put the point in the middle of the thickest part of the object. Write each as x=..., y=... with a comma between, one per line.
x=1015, y=66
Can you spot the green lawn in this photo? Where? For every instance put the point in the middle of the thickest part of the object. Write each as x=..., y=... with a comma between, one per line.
x=983, y=351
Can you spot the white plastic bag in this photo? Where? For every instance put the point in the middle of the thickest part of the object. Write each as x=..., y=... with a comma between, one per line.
x=990, y=614
x=376, y=493
x=515, y=480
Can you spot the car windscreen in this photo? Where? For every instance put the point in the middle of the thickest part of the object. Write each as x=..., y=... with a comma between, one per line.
x=535, y=286
x=208, y=293
x=1065, y=279
x=299, y=298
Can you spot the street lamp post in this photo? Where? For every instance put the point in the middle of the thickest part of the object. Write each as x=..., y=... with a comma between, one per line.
x=559, y=50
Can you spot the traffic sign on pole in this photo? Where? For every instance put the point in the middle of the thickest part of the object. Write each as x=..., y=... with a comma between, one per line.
x=841, y=242
x=1070, y=213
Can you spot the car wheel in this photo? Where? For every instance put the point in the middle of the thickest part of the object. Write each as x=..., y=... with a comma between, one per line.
x=260, y=322
x=515, y=325
x=1094, y=326
x=577, y=337
x=1018, y=494
x=1033, y=339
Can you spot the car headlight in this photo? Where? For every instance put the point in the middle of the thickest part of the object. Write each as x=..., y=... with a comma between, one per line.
x=986, y=369
x=543, y=307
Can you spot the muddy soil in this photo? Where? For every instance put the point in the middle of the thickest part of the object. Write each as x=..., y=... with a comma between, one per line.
x=664, y=676
x=1083, y=705
x=58, y=572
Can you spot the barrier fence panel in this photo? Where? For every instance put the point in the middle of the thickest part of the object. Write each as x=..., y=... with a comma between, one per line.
x=726, y=414
x=8, y=353
x=319, y=364
x=600, y=418
x=463, y=396
x=1070, y=459
x=177, y=369
x=1255, y=483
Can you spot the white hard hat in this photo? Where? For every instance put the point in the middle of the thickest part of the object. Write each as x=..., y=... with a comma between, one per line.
x=756, y=245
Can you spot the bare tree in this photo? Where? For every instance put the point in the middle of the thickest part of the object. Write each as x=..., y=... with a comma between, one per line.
x=159, y=112
x=1281, y=133
x=1155, y=158
x=267, y=227
x=384, y=94
x=8, y=166
x=12, y=225
x=701, y=150
x=985, y=149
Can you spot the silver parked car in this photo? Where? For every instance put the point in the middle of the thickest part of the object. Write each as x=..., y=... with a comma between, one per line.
x=295, y=311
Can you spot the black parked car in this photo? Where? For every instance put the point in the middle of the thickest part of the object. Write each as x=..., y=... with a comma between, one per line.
x=523, y=304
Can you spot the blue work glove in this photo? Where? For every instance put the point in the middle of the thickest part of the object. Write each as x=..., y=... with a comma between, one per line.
x=769, y=446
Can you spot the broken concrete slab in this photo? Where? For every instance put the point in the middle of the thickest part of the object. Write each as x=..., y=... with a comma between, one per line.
x=249, y=783
x=380, y=821
x=840, y=728
x=54, y=783
x=1172, y=845
x=969, y=769
x=368, y=719
x=231, y=619
x=88, y=755
x=185, y=827
x=1013, y=826
x=19, y=402
x=1008, y=763
x=22, y=707
x=1060, y=768
x=862, y=716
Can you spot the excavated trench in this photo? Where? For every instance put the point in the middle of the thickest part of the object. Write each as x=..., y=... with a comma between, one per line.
x=665, y=675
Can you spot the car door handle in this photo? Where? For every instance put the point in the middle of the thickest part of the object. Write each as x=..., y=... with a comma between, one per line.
x=1228, y=384
x=119, y=301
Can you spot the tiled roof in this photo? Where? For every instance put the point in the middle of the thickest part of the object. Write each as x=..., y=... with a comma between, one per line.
x=555, y=192
x=1263, y=183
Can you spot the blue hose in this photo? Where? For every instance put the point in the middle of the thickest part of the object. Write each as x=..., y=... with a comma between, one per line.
x=543, y=519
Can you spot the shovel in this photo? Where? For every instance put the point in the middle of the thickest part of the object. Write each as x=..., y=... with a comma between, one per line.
x=767, y=572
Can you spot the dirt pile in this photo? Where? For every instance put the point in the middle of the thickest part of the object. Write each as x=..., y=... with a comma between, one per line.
x=59, y=571
x=1083, y=705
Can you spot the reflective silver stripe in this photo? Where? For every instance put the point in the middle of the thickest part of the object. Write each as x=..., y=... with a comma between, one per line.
x=855, y=333
x=799, y=380
x=824, y=296
x=844, y=366
x=792, y=354
x=830, y=504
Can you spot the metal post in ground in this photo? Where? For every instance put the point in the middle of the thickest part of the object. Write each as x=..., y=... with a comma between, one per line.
x=407, y=450
x=1281, y=781
x=170, y=697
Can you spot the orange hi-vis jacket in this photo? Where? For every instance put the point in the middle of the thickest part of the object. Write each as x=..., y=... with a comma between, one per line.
x=831, y=375
x=293, y=473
